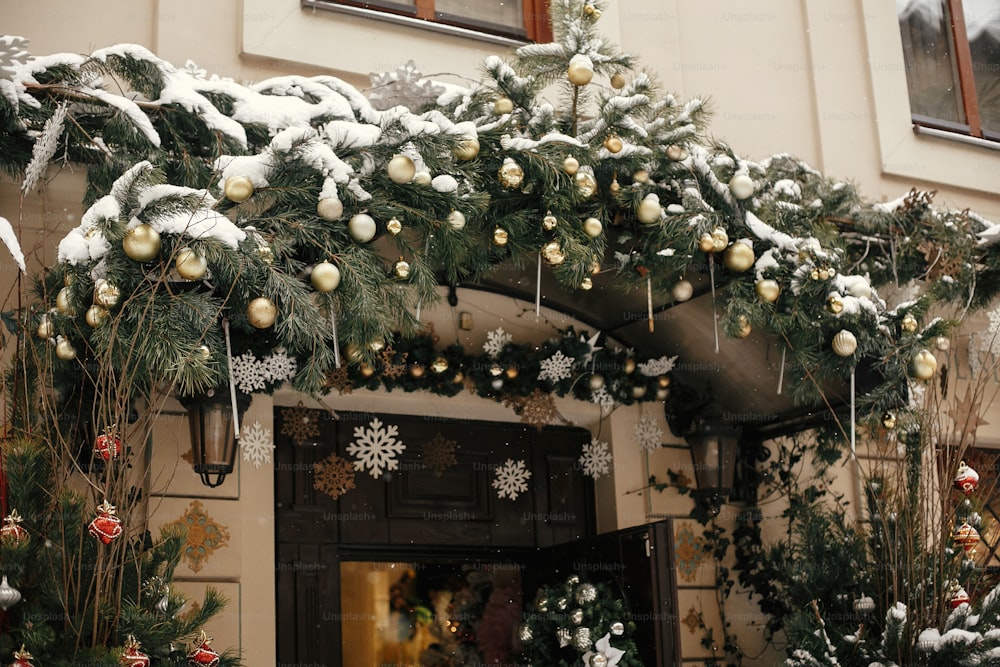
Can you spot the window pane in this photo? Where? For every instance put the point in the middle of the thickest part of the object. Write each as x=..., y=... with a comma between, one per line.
x=931, y=73
x=982, y=23
x=497, y=12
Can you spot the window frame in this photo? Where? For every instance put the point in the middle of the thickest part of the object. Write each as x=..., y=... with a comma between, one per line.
x=537, y=23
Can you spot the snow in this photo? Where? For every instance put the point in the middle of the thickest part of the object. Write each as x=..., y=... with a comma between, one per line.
x=347, y=134
x=444, y=183
x=201, y=224
x=130, y=109
x=9, y=239
x=86, y=243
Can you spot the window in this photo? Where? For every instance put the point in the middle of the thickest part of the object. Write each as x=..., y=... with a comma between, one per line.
x=517, y=19
x=952, y=54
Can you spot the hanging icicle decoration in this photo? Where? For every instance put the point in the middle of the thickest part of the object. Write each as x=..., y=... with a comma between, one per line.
x=649, y=301
x=336, y=341
x=781, y=371
x=538, y=288
x=715, y=312
x=232, y=379
x=854, y=448
x=420, y=301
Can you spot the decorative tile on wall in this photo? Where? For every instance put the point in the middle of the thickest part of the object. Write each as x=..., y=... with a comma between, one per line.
x=204, y=536
x=689, y=549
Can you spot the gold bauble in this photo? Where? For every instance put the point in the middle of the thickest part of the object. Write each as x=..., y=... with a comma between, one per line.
x=422, y=177
x=768, y=290
x=141, y=243
x=353, y=352
x=106, y=294
x=739, y=257
x=439, y=365
x=549, y=222
x=552, y=253
x=741, y=185
x=571, y=165
x=589, y=9
x=844, y=343
x=942, y=343
x=456, y=220
x=706, y=243
x=330, y=208
x=587, y=284
x=325, y=276
x=503, y=105
x=96, y=315
x=394, y=226
x=824, y=273
x=618, y=81
x=744, y=327
x=65, y=350
x=613, y=144
x=402, y=269
x=595, y=267
x=46, y=329
x=662, y=394
x=417, y=371
x=366, y=370
x=638, y=391
x=62, y=301
x=376, y=345
x=592, y=227
x=401, y=169
x=238, y=188
x=459, y=378
x=467, y=149
x=190, y=265
x=595, y=382
x=640, y=176
x=511, y=373
x=500, y=236
x=720, y=239
x=815, y=274
x=511, y=174
x=614, y=187
x=676, y=152
x=586, y=184
x=264, y=251
x=889, y=420
x=362, y=227
x=908, y=324
x=580, y=70
x=835, y=304
x=663, y=381
x=261, y=312
x=682, y=290
x=204, y=352
x=629, y=367
x=649, y=211
x=924, y=365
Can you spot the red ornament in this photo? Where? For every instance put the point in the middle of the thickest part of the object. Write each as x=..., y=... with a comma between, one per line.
x=204, y=654
x=966, y=479
x=12, y=533
x=105, y=526
x=132, y=656
x=958, y=597
x=22, y=658
x=966, y=535
x=108, y=445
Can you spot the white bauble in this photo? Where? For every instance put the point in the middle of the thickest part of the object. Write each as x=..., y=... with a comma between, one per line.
x=649, y=211
x=325, y=277
x=844, y=343
x=456, y=220
x=592, y=227
x=741, y=185
x=330, y=208
x=580, y=70
x=924, y=365
x=401, y=169
x=362, y=227
x=682, y=290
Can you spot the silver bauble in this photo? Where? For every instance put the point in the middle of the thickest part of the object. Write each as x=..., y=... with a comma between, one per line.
x=617, y=628
x=9, y=596
x=581, y=639
x=576, y=616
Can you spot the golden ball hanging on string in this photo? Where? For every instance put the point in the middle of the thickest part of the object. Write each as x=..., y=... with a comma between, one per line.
x=456, y=220
x=401, y=169
x=592, y=227
x=744, y=327
x=106, y=294
x=640, y=176
x=682, y=290
x=65, y=350
x=549, y=222
x=503, y=105
x=511, y=174
x=586, y=184
x=417, y=371
x=580, y=70
x=618, y=81
x=889, y=420
x=262, y=312
x=571, y=165
x=552, y=253
x=706, y=243
x=330, y=208
x=677, y=152
x=467, y=149
x=638, y=391
x=46, y=328
x=422, y=177
x=376, y=345
x=720, y=239
x=263, y=250
x=204, y=352
x=238, y=188
x=394, y=226
x=909, y=323
x=325, y=277
x=835, y=304
x=63, y=301
x=402, y=269
x=96, y=316
x=942, y=343
x=500, y=237
x=739, y=257
x=844, y=343
x=439, y=365
x=614, y=144
x=587, y=284
x=649, y=211
x=366, y=370
x=512, y=373
x=614, y=187
x=362, y=227
x=924, y=365
x=629, y=366
x=768, y=290
x=190, y=265
x=141, y=243
x=742, y=186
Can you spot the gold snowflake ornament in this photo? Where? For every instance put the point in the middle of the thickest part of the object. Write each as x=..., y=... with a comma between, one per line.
x=538, y=410
x=439, y=454
x=299, y=423
x=339, y=379
x=334, y=476
x=389, y=369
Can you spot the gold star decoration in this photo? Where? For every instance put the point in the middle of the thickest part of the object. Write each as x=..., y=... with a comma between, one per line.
x=439, y=454
x=965, y=415
x=389, y=369
x=299, y=423
x=339, y=379
x=334, y=476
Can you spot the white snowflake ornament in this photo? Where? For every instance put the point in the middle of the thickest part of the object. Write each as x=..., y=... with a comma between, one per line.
x=495, y=342
x=257, y=444
x=604, y=399
x=660, y=366
x=247, y=373
x=648, y=433
x=595, y=459
x=376, y=448
x=555, y=368
x=278, y=367
x=511, y=479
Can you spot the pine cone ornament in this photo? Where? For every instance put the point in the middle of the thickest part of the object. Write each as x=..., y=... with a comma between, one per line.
x=204, y=654
x=105, y=526
x=13, y=533
x=132, y=656
x=108, y=445
x=22, y=658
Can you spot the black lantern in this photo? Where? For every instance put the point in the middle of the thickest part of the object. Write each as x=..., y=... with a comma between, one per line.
x=715, y=451
x=213, y=440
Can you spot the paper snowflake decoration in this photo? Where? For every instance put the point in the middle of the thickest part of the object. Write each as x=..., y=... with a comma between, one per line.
x=257, y=444
x=648, y=434
x=511, y=479
x=300, y=424
x=247, y=373
x=406, y=86
x=603, y=399
x=13, y=52
x=334, y=476
x=278, y=367
x=555, y=368
x=495, y=341
x=595, y=459
x=376, y=447
x=660, y=366
x=439, y=454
